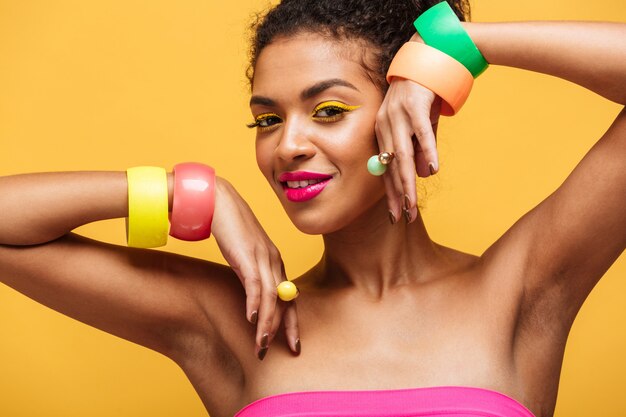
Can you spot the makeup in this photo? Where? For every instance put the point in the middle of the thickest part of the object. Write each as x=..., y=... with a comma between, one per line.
x=330, y=111
x=301, y=186
x=326, y=112
x=265, y=121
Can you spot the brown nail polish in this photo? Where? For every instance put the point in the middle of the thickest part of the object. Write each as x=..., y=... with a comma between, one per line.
x=407, y=215
x=407, y=202
x=262, y=353
x=298, y=347
x=431, y=167
x=265, y=341
x=254, y=317
x=392, y=218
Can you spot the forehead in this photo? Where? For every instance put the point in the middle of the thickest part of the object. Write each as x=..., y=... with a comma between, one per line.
x=291, y=64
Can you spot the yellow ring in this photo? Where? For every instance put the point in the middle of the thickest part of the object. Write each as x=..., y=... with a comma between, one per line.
x=147, y=224
x=287, y=291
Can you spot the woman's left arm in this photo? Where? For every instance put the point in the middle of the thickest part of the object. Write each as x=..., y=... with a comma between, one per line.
x=591, y=54
x=573, y=236
x=578, y=231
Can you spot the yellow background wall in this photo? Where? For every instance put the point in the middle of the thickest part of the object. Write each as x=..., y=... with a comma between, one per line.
x=104, y=85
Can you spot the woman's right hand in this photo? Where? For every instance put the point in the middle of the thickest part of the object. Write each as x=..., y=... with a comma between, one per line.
x=258, y=264
x=406, y=124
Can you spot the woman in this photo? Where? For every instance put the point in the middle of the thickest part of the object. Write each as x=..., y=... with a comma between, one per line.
x=398, y=310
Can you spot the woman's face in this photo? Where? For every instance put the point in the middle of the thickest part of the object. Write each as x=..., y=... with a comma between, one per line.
x=314, y=108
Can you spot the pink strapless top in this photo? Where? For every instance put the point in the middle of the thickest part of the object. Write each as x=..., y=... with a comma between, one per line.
x=412, y=402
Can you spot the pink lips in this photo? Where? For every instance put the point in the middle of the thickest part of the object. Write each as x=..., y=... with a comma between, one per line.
x=307, y=192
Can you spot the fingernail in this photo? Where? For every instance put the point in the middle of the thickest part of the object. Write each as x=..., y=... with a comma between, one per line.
x=407, y=215
x=392, y=218
x=265, y=341
x=254, y=317
x=407, y=202
x=298, y=346
x=262, y=353
x=431, y=167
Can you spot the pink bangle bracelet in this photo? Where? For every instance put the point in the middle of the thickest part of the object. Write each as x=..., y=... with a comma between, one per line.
x=194, y=201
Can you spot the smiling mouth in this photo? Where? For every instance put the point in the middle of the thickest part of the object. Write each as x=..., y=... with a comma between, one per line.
x=302, y=183
x=304, y=190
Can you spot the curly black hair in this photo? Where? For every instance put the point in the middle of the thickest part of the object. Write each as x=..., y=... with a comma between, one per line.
x=384, y=25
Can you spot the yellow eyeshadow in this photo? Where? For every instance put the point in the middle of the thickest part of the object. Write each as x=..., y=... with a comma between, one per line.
x=337, y=104
x=264, y=116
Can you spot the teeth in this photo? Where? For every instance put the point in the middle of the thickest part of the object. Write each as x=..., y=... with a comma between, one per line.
x=302, y=184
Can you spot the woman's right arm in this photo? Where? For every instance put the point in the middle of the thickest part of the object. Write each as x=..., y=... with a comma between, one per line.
x=38, y=208
x=149, y=297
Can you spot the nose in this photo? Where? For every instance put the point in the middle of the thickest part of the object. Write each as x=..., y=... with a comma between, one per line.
x=295, y=141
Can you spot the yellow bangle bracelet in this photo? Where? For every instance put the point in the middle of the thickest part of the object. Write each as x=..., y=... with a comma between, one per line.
x=147, y=224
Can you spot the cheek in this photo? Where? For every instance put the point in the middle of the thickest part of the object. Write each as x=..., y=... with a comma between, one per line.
x=358, y=143
x=360, y=148
x=264, y=158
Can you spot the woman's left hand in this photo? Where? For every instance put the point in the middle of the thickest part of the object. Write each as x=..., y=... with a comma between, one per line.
x=406, y=125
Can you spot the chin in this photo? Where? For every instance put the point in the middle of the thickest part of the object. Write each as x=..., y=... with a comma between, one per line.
x=324, y=220
x=313, y=223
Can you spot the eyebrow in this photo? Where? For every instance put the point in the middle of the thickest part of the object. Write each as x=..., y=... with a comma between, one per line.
x=263, y=101
x=325, y=85
x=307, y=93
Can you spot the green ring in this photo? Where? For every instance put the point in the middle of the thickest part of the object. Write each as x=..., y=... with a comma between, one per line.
x=440, y=28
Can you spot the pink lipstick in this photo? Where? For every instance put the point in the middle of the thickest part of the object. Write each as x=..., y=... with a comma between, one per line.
x=300, y=186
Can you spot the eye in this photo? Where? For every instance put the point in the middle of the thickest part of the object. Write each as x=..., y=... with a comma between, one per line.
x=265, y=121
x=330, y=111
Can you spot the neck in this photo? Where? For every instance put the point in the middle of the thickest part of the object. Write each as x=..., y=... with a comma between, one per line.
x=374, y=256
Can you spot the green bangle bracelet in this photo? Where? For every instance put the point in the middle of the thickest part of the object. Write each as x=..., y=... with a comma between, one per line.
x=440, y=28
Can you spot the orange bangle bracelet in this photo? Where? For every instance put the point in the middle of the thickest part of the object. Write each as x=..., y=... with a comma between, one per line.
x=435, y=70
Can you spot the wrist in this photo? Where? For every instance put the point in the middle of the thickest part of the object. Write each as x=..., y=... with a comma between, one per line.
x=193, y=201
x=170, y=191
x=473, y=31
x=440, y=28
x=178, y=203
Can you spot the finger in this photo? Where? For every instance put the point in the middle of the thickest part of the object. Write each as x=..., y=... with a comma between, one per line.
x=249, y=276
x=267, y=308
x=420, y=157
x=393, y=173
x=435, y=114
x=292, y=331
x=421, y=164
x=405, y=162
x=427, y=143
x=393, y=188
x=423, y=161
x=272, y=331
x=280, y=276
x=276, y=320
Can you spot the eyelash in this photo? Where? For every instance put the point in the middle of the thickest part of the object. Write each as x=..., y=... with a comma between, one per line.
x=261, y=118
x=339, y=107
